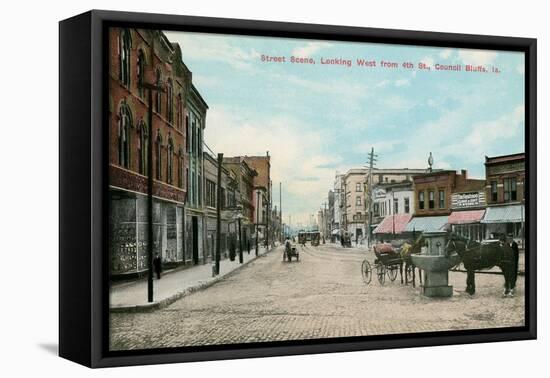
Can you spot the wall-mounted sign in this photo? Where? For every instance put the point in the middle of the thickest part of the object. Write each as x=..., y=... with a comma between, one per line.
x=471, y=199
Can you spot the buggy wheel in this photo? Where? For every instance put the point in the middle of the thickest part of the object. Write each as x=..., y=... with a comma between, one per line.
x=392, y=272
x=381, y=273
x=366, y=272
x=409, y=270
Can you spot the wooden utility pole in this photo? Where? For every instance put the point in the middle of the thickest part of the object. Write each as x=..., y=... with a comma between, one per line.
x=371, y=161
x=219, y=215
x=257, y=218
x=281, y=212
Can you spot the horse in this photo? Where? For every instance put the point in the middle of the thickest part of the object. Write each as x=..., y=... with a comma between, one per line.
x=477, y=256
x=406, y=251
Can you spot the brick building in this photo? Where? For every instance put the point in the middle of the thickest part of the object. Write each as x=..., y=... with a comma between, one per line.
x=262, y=192
x=139, y=57
x=230, y=193
x=505, y=193
x=433, y=193
x=244, y=176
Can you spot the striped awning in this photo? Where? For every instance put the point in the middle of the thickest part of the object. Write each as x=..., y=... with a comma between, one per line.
x=504, y=214
x=466, y=217
x=422, y=224
x=393, y=224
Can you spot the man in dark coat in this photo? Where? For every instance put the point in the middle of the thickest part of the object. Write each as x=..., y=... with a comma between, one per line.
x=157, y=265
x=515, y=248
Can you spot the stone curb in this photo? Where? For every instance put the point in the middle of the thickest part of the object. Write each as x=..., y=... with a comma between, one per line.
x=192, y=289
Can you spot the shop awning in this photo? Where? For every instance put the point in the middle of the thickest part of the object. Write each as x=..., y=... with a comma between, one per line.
x=421, y=224
x=466, y=217
x=504, y=214
x=393, y=224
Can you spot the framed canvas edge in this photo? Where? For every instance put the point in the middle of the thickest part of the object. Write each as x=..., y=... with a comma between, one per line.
x=99, y=315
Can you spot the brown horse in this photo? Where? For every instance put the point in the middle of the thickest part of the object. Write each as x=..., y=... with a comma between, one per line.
x=477, y=256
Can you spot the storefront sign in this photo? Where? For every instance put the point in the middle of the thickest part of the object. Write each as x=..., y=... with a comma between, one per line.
x=465, y=200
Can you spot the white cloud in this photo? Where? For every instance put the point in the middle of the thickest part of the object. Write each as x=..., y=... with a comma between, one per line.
x=445, y=54
x=427, y=60
x=402, y=82
x=309, y=49
x=214, y=48
x=297, y=156
x=490, y=132
x=477, y=57
x=520, y=69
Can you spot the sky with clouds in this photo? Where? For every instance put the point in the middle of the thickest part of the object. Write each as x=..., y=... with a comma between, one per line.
x=318, y=119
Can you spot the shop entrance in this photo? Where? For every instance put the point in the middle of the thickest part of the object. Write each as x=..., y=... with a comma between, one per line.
x=195, y=233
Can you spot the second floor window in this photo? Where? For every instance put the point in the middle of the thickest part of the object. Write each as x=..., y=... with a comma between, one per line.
x=494, y=191
x=124, y=124
x=421, y=200
x=376, y=209
x=143, y=148
x=358, y=187
x=169, y=161
x=210, y=197
x=407, y=205
x=395, y=206
x=441, y=199
x=180, y=168
x=358, y=201
x=159, y=156
x=431, y=199
x=510, y=189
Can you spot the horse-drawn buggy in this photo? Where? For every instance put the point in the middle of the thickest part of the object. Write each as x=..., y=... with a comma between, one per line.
x=389, y=260
x=345, y=239
x=290, y=251
x=315, y=237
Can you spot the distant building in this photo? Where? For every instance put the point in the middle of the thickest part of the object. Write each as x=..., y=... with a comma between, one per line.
x=505, y=193
x=391, y=201
x=433, y=193
x=229, y=194
x=354, y=198
x=244, y=176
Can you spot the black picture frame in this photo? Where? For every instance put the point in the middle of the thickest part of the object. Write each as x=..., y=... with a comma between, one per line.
x=83, y=278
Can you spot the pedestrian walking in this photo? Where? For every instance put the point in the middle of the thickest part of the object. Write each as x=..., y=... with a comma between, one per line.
x=157, y=265
x=515, y=248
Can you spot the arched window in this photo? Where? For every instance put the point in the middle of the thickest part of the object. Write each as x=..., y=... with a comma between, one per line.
x=169, y=101
x=141, y=73
x=180, y=168
x=125, y=43
x=143, y=148
x=169, y=160
x=158, y=103
x=159, y=155
x=179, y=114
x=124, y=125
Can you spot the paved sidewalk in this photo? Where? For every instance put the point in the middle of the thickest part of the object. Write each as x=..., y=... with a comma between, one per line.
x=132, y=296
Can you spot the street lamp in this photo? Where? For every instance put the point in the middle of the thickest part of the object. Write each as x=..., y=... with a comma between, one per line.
x=150, y=88
x=239, y=218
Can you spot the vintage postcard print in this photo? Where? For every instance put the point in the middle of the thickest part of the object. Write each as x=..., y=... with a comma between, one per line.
x=269, y=189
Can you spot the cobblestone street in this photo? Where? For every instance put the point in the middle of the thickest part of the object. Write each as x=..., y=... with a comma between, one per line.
x=320, y=296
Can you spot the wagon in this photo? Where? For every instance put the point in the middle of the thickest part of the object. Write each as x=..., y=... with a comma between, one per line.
x=388, y=262
x=290, y=251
